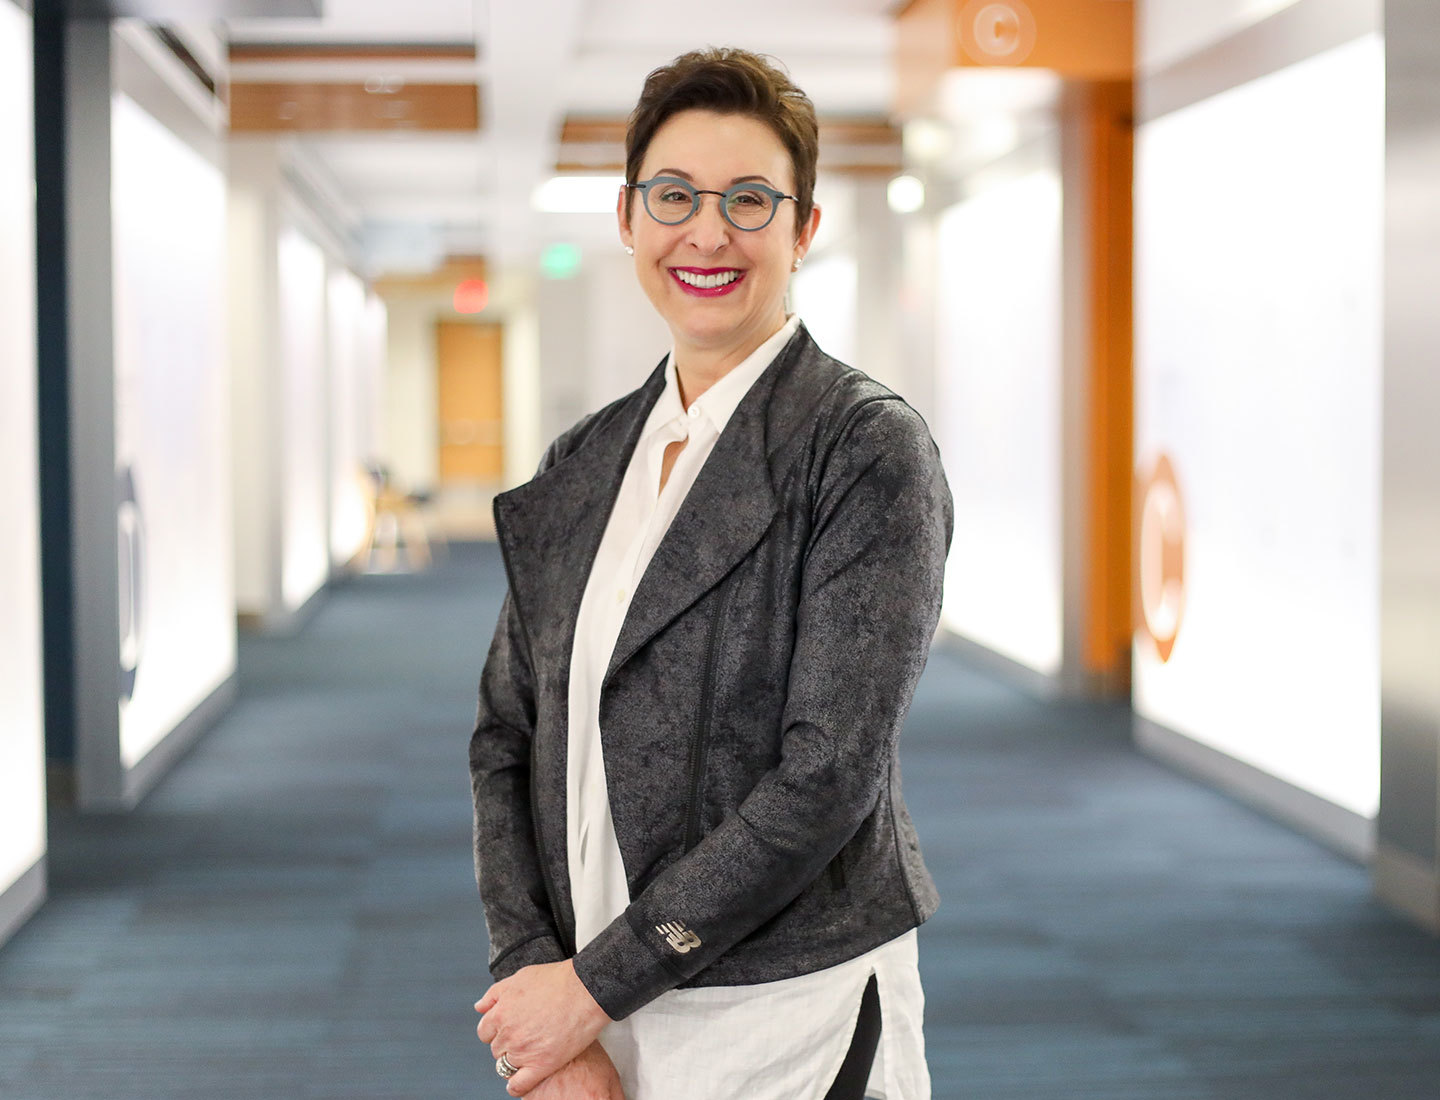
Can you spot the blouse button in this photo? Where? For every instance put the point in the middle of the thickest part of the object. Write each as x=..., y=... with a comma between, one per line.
x=693, y=412
x=620, y=595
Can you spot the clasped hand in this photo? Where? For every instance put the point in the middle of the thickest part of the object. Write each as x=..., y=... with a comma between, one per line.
x=541, y=1018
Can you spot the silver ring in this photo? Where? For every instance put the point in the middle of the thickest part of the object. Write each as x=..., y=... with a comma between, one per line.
x=506, y=1068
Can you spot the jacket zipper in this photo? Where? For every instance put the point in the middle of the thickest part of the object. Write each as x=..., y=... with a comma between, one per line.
x=696, y=769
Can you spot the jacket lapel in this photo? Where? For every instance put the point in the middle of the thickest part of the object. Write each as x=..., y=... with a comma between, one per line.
x=728, y=509
x=550, y=528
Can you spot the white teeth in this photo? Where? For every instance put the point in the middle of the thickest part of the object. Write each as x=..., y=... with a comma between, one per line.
x=706, y=282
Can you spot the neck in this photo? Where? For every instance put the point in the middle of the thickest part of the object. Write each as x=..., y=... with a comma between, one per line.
x=699, y=368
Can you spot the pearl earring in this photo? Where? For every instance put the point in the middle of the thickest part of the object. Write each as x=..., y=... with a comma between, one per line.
x=798, y=261
x=629, y=251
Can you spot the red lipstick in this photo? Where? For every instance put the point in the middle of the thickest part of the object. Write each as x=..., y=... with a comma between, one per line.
x=712, y=280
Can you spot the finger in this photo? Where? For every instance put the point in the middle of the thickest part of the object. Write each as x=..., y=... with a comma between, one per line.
x=524, y=1080
x=487, y=1002
x=502, y=1043
x=487, y=1029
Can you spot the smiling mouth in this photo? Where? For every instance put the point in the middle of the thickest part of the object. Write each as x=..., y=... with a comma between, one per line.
x=707, y=280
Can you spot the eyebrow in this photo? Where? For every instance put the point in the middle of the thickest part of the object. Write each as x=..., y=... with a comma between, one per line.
x=684, y=175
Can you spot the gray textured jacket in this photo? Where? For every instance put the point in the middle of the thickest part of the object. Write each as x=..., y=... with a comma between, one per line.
x=751, y=711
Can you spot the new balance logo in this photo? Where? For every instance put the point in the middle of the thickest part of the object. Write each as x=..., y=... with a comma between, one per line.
x=677, y=936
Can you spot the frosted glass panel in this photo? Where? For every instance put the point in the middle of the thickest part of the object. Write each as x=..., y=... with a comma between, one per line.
x=304, y=467
x=172, y=428
x=998, y=412
x=824, y=293
x=22, y=765
x=1258, y=348
x=349, y=447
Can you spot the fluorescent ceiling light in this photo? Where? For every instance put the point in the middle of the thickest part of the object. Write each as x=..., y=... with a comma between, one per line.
x=925, y=140
x=578, y=194
x=906, y=194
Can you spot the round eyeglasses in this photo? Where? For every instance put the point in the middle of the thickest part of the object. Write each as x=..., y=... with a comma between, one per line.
x=673, y=201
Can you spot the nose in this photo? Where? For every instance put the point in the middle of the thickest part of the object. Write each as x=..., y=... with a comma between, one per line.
x=709, y=231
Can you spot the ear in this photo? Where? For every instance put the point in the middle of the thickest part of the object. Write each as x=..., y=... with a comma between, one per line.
x=806, y=237
x=622, y=219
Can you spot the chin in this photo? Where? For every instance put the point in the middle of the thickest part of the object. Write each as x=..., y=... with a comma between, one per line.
x=717, y=331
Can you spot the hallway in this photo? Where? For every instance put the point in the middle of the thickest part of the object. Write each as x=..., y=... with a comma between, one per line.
x=292, y=913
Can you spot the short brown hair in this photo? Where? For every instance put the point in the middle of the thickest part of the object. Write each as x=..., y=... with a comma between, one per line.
x=729, y=82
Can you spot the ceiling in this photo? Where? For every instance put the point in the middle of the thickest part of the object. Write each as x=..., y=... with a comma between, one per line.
x=412, y=198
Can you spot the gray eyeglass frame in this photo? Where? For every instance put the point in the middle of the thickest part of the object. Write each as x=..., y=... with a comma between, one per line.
x=777, y=197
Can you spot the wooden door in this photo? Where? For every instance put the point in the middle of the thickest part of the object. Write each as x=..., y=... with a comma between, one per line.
x=471, y=401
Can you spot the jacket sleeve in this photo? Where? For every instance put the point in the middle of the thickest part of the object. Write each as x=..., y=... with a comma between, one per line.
x=869, y=604
x=518, y=919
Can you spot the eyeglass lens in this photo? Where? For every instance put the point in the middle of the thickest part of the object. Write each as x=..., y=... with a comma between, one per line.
x=672, y=202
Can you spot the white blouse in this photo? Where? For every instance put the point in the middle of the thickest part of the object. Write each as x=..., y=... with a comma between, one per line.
x=781, y=1040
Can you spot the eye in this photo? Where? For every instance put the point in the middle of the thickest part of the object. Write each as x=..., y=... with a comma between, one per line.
x=673, y=195
x=749, y=198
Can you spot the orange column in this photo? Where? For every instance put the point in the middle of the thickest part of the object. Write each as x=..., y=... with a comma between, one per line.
x=1090, y=44
x=1109, y=439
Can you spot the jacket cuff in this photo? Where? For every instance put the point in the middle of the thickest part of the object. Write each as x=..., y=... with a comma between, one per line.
x=622, y=972
x=544, y=948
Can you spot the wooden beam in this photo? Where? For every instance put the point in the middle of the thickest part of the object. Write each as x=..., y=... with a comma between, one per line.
x=863, y=145
x=579, y=130
x=924, y=49
x=351, y=51
x=442, y=281
x=865, y=129
x=270, y=108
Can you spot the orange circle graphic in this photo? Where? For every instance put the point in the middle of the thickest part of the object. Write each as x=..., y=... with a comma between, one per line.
x=997, y=32
x=1160, y=556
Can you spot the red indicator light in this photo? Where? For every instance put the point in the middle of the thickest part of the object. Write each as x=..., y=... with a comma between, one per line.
x=471, y=296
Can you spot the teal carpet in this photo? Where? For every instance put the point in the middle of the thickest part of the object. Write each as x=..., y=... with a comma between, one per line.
x=292, y=914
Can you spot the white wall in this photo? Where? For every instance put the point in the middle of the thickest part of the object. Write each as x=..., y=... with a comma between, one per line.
x=848, y=292
x=825, y=292
x=307, y=343
x=22, y=774
x=411, y=411
x=997, y=415
x=1169, y=30
x=411, y=420
x=171, y=425
x=1258, y=340
x=522, y=393
x=879, y=250
x=563, y=345
x=625, y=337
x=599, y=338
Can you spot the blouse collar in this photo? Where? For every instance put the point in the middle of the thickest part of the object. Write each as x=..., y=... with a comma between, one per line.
x=718, y=403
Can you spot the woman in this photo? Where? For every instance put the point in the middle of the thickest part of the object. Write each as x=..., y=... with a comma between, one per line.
x=700, y=879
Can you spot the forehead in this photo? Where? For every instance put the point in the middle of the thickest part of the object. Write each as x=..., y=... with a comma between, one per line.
x=714, y=147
